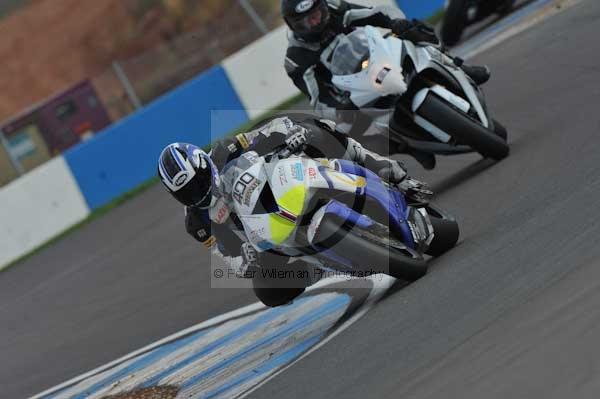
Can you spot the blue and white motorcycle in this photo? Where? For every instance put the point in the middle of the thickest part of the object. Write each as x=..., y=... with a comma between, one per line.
x=335, y=215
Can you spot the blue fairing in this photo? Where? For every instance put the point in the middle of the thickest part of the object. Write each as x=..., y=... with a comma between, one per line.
x=348, y=214
x=391, y=200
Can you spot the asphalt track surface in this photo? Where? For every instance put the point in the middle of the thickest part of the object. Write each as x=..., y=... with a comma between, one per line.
x=510, y=312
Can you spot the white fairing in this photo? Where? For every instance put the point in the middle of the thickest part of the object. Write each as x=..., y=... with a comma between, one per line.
x=382, y=75
x=292, y=182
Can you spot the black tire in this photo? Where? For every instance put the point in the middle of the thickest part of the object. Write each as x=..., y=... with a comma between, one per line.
x=455, y=21
x=500, y=130
x=276, y=282
x=368, y=253
x=445, y=237
x=462, y=127
x=506, y=7
x=274, y=292
x=273, y=297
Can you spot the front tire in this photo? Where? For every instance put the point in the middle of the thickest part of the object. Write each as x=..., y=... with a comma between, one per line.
x=464, y=128
x=445, y=236
x=500, y=130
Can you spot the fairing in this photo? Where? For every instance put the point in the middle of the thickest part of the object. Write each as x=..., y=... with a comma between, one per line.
x=293, y=182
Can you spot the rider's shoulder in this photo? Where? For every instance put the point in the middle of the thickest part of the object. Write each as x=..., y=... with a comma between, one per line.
x=336, y=4
x=298, y=44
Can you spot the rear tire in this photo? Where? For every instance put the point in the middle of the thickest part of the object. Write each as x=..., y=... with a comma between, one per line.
x=445, y=237
x=367, y=255
x=500, y=130
x=465, y=129
x=455, y=21
x=506, y=7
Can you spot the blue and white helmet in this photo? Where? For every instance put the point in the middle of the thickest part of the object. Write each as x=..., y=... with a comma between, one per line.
x=189, y=175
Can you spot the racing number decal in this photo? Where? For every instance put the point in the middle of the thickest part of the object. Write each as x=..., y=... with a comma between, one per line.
x=244, y=187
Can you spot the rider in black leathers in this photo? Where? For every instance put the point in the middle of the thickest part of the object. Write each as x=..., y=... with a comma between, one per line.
x=315, y=23
x=197, y=180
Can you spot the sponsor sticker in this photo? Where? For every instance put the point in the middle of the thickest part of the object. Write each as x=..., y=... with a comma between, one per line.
x=249, y=190
x=282, y=176
x=304, y=6
x=221, y=215
x=241, y=138
x=244, y=187
x=382, y=74
x=297, y=171
x=312, y=173
x=254, y=235
x=181, y=179
x=250, y=156
x=264, y=245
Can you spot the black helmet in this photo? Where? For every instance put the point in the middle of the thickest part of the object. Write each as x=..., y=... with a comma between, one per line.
x=306, y=18
x=189, y=175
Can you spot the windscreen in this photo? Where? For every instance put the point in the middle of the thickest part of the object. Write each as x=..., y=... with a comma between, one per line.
x=351, y=55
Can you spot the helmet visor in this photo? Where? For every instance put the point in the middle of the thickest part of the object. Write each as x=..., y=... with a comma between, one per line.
x=312, y=21
x=196, y=193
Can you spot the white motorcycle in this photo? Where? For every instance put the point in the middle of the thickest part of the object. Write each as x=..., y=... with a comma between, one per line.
x=335, y=215
x=417, y=95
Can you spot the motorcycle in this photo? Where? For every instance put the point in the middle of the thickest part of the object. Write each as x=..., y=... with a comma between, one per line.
x=335, y=215
x=460, y=13
x=417, y=95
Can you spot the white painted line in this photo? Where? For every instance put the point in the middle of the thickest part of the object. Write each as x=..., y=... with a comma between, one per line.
x=380, y=284
x=512, y=25
x=209, y=323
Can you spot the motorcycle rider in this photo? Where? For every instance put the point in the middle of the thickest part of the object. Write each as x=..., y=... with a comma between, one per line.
x=199, y=181
x=314, y=24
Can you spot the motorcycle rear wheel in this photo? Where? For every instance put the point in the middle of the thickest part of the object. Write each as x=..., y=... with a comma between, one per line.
x=464, y=128
x=367, y=251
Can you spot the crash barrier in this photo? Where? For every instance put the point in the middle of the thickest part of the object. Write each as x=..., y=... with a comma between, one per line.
x=62, y=192
x=420, y=9
x=38, y=206
x=124, y=155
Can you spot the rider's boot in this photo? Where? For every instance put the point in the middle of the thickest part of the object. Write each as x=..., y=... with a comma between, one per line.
x=426, y=159
x=479, y=74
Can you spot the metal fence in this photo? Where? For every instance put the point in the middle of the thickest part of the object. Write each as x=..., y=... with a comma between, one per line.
x=137, y=81
x=133, y=82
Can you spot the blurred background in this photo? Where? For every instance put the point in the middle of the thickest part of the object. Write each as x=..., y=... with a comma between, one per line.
x=95, y=260
x=71, y=68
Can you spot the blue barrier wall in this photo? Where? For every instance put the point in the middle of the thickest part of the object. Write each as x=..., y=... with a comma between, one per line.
x=420, y=9
x=124, y=155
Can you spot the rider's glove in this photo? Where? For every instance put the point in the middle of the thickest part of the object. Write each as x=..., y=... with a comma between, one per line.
x=415, y=189
x=414, y=31
x=249, y=260
x=393, y=171
x=297, y=139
